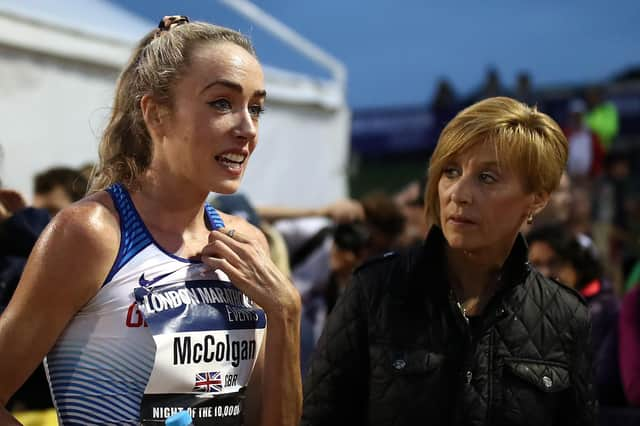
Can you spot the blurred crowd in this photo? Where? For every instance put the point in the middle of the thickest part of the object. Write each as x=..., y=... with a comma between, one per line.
x=588, y=237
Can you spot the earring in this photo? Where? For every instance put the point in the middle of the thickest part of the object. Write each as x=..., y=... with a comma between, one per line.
x=530, y=219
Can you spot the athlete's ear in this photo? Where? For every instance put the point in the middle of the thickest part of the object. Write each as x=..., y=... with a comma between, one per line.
x=153, y=114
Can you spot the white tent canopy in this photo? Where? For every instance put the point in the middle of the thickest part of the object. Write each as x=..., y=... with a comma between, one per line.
x=58, y=65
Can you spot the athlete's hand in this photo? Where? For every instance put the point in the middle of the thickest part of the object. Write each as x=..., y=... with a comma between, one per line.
x=245, y=259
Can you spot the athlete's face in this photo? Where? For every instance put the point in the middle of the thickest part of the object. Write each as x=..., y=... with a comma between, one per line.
x=212, y=127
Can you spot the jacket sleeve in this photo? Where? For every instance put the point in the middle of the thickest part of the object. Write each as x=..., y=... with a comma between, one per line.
x=335, y=389
x=19, y=233
x=581, y=407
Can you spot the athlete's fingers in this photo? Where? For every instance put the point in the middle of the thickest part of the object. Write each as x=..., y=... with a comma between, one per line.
x=219, y=249
x=236, y=275
x=234, y=234
x=243, y=245
x=254, y=274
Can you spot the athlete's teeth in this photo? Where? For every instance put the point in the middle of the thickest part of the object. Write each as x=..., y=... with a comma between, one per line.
x=236, y=158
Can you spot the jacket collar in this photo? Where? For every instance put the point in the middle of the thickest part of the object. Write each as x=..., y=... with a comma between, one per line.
x=429, y=267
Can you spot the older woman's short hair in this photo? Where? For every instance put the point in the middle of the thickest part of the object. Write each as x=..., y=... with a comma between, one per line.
x=526, y=140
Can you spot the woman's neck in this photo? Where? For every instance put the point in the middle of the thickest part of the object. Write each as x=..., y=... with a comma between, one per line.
x=474, y=276
x=166, y=206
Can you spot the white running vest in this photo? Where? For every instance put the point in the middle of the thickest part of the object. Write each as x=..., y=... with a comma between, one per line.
x=101, y=364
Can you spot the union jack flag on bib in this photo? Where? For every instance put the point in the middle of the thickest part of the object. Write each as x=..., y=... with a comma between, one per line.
x=208, y=382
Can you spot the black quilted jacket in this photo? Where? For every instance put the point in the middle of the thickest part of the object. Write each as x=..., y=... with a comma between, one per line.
x=396, y=350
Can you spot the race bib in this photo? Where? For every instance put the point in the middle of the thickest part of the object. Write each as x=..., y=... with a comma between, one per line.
x=208, y=336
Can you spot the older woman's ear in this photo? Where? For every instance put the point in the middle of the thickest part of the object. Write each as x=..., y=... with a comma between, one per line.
x=540, y=200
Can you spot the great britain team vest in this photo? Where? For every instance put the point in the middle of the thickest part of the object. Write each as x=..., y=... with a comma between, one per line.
x=163, y=334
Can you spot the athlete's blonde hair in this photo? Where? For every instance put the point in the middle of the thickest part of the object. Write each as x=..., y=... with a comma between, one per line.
x=157, y=63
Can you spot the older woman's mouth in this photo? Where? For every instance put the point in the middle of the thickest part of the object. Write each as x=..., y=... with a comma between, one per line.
x=460, y=220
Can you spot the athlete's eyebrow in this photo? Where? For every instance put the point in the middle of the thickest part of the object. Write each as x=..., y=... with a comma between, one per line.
x=233, y=86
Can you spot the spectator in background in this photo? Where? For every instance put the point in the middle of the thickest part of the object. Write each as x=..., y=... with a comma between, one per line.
x=558, y=254
x=557, y=210
x=524, y=90
x=631, y=266
x=87, y=170
x=569, y=207
x=308, y=235
x=58, y=187
x=611, y=214
x=602, y=117
x=326, y=244
x=633, y=279
x=491, y=87
x=411, y=202
x=629, y=327
x=20, y=227
x=586, y=153
x=444, y=106
x=581, y=218
x=380, y=233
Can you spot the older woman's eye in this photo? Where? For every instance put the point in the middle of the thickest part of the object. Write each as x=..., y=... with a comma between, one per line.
x=451, y=172
x=487, y=178
x=221, y=105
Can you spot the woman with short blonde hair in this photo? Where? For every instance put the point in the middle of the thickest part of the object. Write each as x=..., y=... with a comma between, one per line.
x=525, y=139
x=462, y=330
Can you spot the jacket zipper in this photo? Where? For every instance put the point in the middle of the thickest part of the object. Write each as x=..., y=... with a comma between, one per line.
x=462, y=320
x=490, y=315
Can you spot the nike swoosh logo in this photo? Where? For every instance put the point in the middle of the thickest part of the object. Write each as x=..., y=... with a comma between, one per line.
x=144, y=283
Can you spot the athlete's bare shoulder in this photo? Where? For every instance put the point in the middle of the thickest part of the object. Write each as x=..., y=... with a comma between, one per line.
x=88, y=229
x=93, y=216
x=74, y=253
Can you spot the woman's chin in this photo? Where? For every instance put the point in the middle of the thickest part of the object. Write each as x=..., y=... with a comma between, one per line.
x=226, y=187
x=460, y=242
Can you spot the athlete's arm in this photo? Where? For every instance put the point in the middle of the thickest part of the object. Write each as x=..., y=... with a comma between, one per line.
x=245, y=259
x=281, y=402
x=66, y=268
x=254, y=394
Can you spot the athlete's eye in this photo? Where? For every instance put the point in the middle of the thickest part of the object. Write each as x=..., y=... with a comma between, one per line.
x=256, y=110
x=222, y=105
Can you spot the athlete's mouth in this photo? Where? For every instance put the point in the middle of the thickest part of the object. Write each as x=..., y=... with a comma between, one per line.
x=231, y=160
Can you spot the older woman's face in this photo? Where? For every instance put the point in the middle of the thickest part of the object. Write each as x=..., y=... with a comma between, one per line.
x=482, y=205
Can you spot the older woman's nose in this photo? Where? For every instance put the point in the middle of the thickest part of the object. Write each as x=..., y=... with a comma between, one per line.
x=461, y=192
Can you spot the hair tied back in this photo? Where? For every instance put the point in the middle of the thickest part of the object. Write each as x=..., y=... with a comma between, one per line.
x=171, y=21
